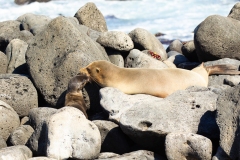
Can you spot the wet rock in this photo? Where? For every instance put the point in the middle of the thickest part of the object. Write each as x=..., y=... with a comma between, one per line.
x=144, y=40
x=90, y=16
x=14, y=88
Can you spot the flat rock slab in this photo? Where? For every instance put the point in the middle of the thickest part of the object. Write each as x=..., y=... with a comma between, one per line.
x=228, y=121
x=71, y=135
x=19, y=92
x=188, y=146
x=57, y=53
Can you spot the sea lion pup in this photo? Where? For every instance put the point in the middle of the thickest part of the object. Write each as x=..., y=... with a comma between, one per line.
x=156, y=82
x=74, y=95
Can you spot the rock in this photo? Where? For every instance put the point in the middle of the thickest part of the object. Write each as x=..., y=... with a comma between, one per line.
x=235, y=11
x=224, y=61
x=106, y=155
x=20, y=2
x=220, y=155
x=70, y=134
x=117, y=59
x=188, y=65
x=177, y=59
x=144, y=40
x=223, y=79
x=189, y=51
x=21, y=135
x=140, y=154
x=4, y=63
x=9, y=120
x=112, y=137
x=227, y=117
x=188, y=146
x=15, y=52
x=14, y=88
x=216, y=37
x=176, y=45
x=38, y=118
x=41, y=158
x=53, y=54
x=90, y=16
x=147, y=119
x=90, y=32
x=116, y=40
x=3, y=143
x=137, y=59
x=232, y=81
x=33, y=23
x=19, y=152
x=10, y=30
x=24, y=121
x=115, y=107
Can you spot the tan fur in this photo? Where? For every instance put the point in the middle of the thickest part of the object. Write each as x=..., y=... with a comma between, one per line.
x=156, y=82
x=74, y=95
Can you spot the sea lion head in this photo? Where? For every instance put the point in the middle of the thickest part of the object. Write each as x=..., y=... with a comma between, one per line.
x=77, y=83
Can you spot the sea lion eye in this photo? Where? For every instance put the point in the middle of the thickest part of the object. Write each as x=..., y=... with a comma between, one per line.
x=97, y=70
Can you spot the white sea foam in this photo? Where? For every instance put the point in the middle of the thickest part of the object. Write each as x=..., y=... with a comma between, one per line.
x=176, y=18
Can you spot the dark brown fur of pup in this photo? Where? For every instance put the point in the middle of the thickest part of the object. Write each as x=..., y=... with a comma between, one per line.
x=222, y=69
x=74, y=96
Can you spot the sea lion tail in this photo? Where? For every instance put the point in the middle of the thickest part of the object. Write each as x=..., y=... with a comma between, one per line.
x=222, y=69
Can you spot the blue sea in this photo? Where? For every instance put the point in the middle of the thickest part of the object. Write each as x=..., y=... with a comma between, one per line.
x=176, y=18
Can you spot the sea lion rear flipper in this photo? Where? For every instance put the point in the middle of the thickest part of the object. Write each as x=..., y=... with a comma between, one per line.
x=222, y=69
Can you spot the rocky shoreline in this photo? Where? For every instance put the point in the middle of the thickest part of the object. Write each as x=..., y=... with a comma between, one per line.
x=40, y=55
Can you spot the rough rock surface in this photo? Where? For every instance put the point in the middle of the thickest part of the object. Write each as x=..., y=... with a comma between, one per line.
x=19, y=152
x=3, y=143
x=116, y=40
x=90, y=16
x=21, y=135
x=144, y=40
x=38, y=118
x=70, y=134
x=216, y=37
x=14, y=88
x=10, y=30
x=223, y=61
x=188, y=146
x=189, y=51
x=228, y=121
x=235, y=12
x=4, y=63
x=230, y=80
x=9, y=120
x=53, y=54
x=33, y=23
x=148, y=120
x=15, y=52
x=176, y=45
x=137, y=59
x=41, y=158
x=112, y=137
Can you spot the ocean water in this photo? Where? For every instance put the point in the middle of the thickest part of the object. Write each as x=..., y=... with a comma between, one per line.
x=176, y=19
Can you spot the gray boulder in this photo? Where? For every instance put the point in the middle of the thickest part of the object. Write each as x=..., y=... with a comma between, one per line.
x=230, y=80
x=189, y=51
x=147, y=121
x=116, y=40
x=106, y=155
x=70, y=134
x=15, y=52
x=19, y=92
x=9, y=120
x=188, y=146
x=56, y=54
x=3, y=143
x=38, y=118
x=223, y=61
x=4, y=63
x=144, y=40
x=33, y=23
x=21, y=135
x=10, y=30
x=137, y=59
x=175, y=45
x=112, y=137
x=177, y=58
x=228, y=109
x=19, y=152
x=90, y=16
x=217, y=37
x=235, y=11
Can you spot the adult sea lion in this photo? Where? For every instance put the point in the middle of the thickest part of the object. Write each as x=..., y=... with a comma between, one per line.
x=156, y=82
x=74, y=96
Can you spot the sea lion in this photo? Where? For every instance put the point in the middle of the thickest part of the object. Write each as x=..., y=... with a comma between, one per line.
x=156, y=82
x=74, y=96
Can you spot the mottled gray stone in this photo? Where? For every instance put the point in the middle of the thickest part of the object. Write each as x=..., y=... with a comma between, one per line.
x=19, y=152
x=189, y=51
x=15, y=52
x=19, y=92
x=235, y=11
x=116, y=40
x=223, y=79
x=90, y=16
x=4, y=63
x=21, y=135
x=188, y=146
x=56, y=54
x=175, y=45
x=217, y=37
x=137, y=59
x=144, y=40
x=71, y=135
x=223, y=61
